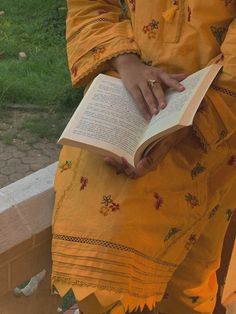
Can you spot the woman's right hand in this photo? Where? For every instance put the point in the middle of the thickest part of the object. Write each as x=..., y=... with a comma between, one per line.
x=135, y=76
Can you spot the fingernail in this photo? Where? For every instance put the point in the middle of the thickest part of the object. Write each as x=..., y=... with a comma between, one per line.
x=162, y=105
x=181, y=88
x=155, y=111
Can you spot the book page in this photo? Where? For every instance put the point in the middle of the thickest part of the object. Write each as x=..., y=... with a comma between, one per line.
x=108, y=118
x=177, y=103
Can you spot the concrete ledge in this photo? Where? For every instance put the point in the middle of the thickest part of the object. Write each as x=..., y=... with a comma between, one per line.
x=25, y=227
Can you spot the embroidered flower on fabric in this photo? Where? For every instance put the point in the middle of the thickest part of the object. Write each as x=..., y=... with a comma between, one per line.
x=114, y=207
x=108, y=205
x=173, y=231
x=66, y=165
x=151, y=28
x=227, y=2
x=106, y=200
x=191, y=241
x=97, y=52
x=222, y=135
x=213, y=211
x=158, y=200
x=166, y=296
x=130, y=39
x=74, y=70
x=102, y=11
x=83, y=183
x=189, y=14
x=232, y=160
x=192, y=200
x=197, y=170
x=219, y=33
x=229, y=214
x=104, y=210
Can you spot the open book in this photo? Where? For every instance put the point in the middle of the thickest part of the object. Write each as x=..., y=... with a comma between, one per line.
x=108, y=122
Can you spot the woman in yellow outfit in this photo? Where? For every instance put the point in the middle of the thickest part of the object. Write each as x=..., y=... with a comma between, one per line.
x=153, y=243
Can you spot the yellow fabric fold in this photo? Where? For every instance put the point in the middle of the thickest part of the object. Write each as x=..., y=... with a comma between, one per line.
x=214, y=122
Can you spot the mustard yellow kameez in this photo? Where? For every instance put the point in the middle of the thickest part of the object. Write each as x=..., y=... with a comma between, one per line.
x=121, y=244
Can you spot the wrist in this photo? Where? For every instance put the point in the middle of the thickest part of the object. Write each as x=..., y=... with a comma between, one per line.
x=123, y=60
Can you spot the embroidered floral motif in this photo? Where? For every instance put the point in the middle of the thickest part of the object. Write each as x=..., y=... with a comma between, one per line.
x=108, y=205
x=67, y=165
x=229, y=214
x=227, y=2
x=131, y=39
x=173, y=231
x=194, y=299
x=197, y=170
x=213, y=211
x=114, y=207
x=151, y=28
x=219, y=32
x=222, y=135
x=189, y=14
x=102, y=11
x=106, y=200
x=232, y=160
x=192, y=200
x=104, y=210
x=83, y=183
x=132, y=4
x=97, y=52
x=158, y=200
x=191, y=241
x=74, y=70
x=166, y=296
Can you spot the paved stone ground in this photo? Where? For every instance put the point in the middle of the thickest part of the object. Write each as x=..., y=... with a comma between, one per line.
x=18, y=161
x=21, y=158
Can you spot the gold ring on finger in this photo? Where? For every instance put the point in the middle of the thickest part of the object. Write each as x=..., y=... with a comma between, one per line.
x=152, y=83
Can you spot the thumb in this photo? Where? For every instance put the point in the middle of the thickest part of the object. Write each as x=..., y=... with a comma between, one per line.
x=145, y=165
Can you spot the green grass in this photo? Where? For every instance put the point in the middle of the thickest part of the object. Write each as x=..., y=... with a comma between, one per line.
x=38, y=29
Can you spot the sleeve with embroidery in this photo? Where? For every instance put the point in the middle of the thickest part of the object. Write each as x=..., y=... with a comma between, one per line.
x=216, y=120
x=96, y=32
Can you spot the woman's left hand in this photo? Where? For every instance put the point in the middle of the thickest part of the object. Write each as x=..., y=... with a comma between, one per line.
x=154, y=157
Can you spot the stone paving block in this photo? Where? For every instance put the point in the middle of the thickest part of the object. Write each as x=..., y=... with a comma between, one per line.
x=5, y=155
x=9, y=149
x=13, y=162
x=34, y=152
x=18, y=154
x=21, y=159
x=2, y=163
x=22, y=147
x=4, y=180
